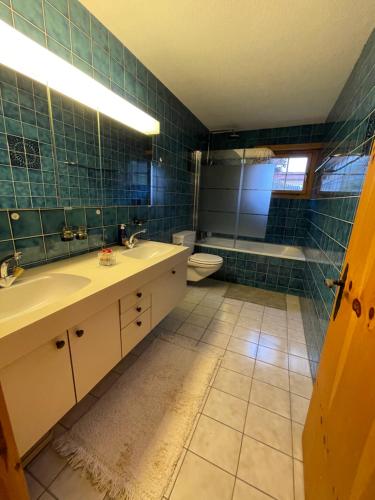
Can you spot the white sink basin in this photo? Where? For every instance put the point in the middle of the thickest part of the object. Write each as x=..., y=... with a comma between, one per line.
x=147, y=250
x=27, y=295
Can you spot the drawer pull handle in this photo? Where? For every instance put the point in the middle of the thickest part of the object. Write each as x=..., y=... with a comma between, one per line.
x=139, y=294
x=173, y=272
x=139, y=323
x=139, y=309
x=80, y=333
x=60, y=344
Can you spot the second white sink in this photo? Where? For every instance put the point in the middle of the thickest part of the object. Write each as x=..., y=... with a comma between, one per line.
x=147, y=250
x=27, y=295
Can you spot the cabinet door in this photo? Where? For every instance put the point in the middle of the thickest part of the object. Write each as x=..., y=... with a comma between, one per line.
x=38, y=390
x=95, y=346
x=167, y=291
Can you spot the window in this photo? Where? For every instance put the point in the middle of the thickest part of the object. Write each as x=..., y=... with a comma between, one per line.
x=291, y=173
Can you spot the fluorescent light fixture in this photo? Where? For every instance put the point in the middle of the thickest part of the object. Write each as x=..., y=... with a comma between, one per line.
x=22, y=54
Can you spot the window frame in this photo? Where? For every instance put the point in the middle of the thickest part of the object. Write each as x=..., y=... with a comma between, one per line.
x=313, y=152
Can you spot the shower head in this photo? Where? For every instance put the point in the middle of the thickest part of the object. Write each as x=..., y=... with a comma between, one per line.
x=234, y=135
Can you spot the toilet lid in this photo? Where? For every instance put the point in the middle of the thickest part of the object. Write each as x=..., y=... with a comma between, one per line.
x=206, y=258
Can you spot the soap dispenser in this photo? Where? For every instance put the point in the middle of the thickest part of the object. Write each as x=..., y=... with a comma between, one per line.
x=122, y=234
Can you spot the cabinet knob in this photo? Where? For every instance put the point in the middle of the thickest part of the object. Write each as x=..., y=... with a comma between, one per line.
x=139, y=323
x=139, y=294
x=139, y=309
x=60, y=344
x=79, y=333
x=173, y=271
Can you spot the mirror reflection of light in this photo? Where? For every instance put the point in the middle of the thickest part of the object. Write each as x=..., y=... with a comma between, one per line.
x=27, y=57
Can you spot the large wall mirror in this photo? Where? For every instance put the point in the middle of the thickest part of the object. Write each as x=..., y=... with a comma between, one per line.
x=55, y=152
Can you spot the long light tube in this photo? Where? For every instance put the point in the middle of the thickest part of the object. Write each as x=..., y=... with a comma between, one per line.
x=22, y=54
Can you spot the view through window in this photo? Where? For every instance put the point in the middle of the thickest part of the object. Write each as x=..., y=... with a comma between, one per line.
x=290, y=173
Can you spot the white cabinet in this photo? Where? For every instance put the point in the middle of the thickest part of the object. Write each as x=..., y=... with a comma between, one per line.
x=38, y=390
x=167, y=291
x=95, y=348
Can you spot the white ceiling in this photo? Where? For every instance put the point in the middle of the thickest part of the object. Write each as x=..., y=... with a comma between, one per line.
x=245, y=64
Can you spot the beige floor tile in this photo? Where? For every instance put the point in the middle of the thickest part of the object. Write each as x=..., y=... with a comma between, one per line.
x=78, y=411
x=71, y=485
x=46, y=466
x=251, y=306
x=243, y=491
x=274, y=329
x=171, y=324
x=105, y=384
x=215, y=338
x=230, y=308
x=234, y=302
x=192, y=331
x=300, y=385
x=46, y=496
x=271, y=375
x=221, y=327
x=251, y=323
x=226, y=409
x=248, y=334
x=296, y=336
x=187, y=306
x=271, y=398
x=203, y=310
x=198, y=320
x=299, y=407
x=269, y=428
x=242, y=347
x=252, y=314
x=299, y=489
x=272, y=356
x=213, y=301
x=297, y=349
x=297, y=430
x=174, y=476
x=35, y=488
x=275, y=313
x=273, y=342
x=178, y=313
x=266, y=469
x=238, y=363
x=227, y=317
x=210, y=349
x=217, y=443
x=233, y=383
x=200, y=480
x=299, y=365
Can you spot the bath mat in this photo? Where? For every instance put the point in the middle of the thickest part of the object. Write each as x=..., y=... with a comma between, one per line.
x=257, y=296
x=130, y=441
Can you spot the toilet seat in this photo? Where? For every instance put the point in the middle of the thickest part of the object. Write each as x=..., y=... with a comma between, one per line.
x=205, y=259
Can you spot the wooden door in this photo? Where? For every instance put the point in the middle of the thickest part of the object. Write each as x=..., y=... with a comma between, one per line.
x=339, y=435
x=12, y=479
x=95, y=346
x=38, y=390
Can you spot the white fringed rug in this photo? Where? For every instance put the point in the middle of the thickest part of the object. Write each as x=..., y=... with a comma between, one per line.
x=129, y=443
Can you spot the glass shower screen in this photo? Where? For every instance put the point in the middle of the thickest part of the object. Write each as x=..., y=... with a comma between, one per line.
x=235, y=194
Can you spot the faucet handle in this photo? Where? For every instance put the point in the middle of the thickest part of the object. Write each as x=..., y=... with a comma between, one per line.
x=17, y=257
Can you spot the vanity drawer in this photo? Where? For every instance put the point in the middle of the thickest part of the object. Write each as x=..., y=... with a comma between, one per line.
x=134, y=311
x=134, y=297
x=133, y=333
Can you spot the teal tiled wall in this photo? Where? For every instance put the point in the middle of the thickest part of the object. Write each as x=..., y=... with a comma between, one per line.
x=337, y=188
x=28, y=180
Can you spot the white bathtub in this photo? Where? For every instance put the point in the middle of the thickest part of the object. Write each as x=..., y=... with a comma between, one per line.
x=256, y=247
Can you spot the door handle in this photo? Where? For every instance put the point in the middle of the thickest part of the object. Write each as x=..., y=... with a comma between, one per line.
x=330, y=283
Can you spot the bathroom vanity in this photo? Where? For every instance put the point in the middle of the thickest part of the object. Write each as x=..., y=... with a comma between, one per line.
x=65, y=325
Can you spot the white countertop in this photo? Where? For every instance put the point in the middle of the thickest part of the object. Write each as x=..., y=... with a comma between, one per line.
x=25, y=332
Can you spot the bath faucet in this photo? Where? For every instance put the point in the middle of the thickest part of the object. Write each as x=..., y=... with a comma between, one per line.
x=132, y=241
x=9, y=269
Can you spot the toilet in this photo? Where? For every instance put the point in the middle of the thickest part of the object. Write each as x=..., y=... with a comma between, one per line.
x=200, y=265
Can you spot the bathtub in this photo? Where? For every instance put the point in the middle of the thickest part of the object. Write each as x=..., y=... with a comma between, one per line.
x=254, y=247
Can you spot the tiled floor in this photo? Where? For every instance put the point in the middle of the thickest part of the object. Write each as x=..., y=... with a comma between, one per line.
x=246, y=442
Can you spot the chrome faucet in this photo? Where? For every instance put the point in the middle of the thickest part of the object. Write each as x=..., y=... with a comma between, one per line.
x=132, y=241
x=10, y=270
